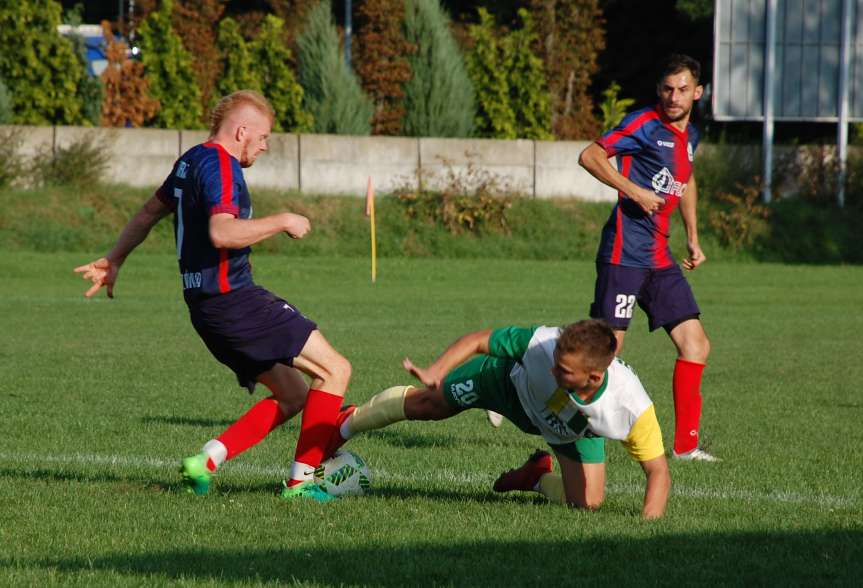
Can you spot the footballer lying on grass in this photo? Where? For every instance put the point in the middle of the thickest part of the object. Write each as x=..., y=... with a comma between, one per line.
x=562, y=383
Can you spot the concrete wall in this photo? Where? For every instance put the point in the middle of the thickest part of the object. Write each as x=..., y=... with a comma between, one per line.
x=335, y=164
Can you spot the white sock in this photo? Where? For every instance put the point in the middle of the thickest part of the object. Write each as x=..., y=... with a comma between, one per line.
x=216, y=451
x=302, y=472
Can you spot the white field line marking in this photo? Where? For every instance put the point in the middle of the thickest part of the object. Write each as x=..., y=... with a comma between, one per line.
x=438, y=476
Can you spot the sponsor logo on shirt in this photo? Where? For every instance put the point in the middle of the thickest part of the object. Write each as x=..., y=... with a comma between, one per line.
x=669, y=144
x=182, y=169
x=663, y=182
x=191, y=280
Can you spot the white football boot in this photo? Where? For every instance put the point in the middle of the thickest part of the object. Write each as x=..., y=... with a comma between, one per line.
x=696, y=454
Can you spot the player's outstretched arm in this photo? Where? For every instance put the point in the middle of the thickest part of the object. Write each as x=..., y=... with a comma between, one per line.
x=227, y=231
x=658, y=487
x=457, y=353
x=595, y=160
x=103, y=271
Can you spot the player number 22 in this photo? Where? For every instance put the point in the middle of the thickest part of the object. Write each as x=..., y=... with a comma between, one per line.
x=624, y=306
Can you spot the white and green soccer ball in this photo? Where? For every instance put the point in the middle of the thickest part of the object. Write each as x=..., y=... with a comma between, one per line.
x=344, y=474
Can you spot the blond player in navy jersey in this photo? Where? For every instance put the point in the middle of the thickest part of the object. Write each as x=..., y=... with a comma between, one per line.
x=564, y=384
x=261, y=337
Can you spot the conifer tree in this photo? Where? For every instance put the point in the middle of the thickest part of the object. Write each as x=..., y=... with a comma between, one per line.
x=439, y=97
x=271, y=57
x=38, y=64
x=332, y=92
x=169, y=71
x=238, y=69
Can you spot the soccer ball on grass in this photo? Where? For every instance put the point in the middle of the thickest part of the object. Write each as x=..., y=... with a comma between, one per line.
x=344, y=474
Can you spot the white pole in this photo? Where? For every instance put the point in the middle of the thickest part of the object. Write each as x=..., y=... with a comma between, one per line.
x=769, y=70
x=842, y=134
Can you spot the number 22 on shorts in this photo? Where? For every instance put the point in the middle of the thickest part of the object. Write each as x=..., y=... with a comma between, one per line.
x=623, y=308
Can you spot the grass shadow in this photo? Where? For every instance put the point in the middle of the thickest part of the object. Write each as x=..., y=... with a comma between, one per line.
x=804, y=558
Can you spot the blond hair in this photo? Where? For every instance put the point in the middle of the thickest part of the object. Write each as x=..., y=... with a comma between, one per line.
x=593, y=339
x=235, y=100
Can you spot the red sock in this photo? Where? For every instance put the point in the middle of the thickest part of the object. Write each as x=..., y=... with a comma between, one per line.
x=253, y=426
x=687, y=404
x=319, y=423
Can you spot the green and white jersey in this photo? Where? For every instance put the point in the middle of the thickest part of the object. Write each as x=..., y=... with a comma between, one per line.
x=621, y=408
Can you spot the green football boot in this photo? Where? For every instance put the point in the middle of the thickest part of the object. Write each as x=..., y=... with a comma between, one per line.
x=305, y=490
x=196, y=476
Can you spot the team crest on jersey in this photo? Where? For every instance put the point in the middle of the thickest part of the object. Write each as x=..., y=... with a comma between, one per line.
x=689, y=153
x=664, y=182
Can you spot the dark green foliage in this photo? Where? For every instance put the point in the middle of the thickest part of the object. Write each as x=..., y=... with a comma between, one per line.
x=527, y=84
x=512, y=93
x=332, y=92
x=272, y=57
x=38, y=64
x=238, y=70
x=439, y=97
x=613, y=108
x=488, y=66
x=6, y=113
x=168, y=67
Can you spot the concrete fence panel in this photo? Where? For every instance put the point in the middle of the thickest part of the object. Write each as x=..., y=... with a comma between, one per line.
x=336, y=164
x=559, y=175
x=509, y=163
x=33, y=140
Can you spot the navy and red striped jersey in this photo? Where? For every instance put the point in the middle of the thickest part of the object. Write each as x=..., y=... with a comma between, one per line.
x=657, y=156
x=207, y=180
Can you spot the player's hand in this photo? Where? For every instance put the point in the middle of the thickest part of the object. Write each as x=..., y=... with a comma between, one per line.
x=647, y=200
x=696, y=257
x=296, y=225
x=102, y=272
x=425, y=376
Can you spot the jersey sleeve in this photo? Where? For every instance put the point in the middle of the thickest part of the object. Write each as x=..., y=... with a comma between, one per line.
x=509, y=342
x=219, y=189
x=627, y=138
x=644, y=441
x=165, y=193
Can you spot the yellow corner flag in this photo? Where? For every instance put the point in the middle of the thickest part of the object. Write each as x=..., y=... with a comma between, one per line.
x=370, y=212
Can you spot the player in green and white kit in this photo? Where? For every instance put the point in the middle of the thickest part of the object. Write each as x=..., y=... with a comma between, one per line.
x=564, y=384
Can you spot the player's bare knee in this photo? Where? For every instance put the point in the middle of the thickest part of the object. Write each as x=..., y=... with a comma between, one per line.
x=338, y=373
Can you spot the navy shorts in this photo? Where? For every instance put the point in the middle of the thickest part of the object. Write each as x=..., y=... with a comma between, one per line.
x=250, y=330
x=663, y=294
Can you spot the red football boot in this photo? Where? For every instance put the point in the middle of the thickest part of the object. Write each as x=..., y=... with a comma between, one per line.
x=526, y=476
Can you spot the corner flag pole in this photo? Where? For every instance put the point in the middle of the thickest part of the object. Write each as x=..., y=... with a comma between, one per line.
x=370, y=212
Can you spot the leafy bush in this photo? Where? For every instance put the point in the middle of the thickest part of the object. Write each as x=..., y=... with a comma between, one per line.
x=238, y=71
x=473, y=201
x=271, y=57
x=39, y=64
x=82, y=163
x=127, y=100
x=613, y=108
x=741, y=220
x=168, y=67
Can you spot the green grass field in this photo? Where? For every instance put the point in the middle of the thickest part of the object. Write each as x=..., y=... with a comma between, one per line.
x=100, y=399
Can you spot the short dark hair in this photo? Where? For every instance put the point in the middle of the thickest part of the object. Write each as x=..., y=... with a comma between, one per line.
x=676, y=63
x=593, y=339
